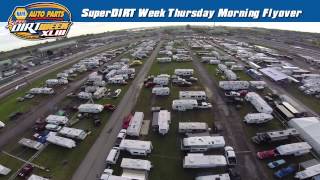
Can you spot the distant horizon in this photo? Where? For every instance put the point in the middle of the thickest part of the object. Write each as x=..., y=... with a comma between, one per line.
x=10, y=42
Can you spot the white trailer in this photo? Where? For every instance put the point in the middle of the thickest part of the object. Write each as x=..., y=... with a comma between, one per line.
x=258, y=84
x=258, y=102
x=137, y=164
x=111, y=74
x=90, y=89
x=31, y=143
x=164, y=81
x=52, y=82
x=99, y=83
x=193, y=127
x=60, y=141
x=214, y=177
x=309, y=172
x=208, y=59
x=90, y=108
x=234, y=85
x=36, y=177
x=237, y=68
x=184, y=104
x=55, y=119
x=73, y=133
x=113, y=155
x=215, y=62
x=164, y=120
x=257, y=118
x=230, y=75
x=99, y=93
x=272, y=136
x=4, y=170
x=135, y=124
x=117, y=80
x=222, y=68
x=84, y=95
x=95, y=77
x=161, y=91
x=199, y=160
x=202, y=143
x=136, y=147
x=198, y=95
x=183, y=72
x=296, y=149
x=164, y=59
x=44, y=90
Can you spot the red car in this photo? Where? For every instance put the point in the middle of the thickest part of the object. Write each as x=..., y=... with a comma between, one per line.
x=267, y=154
x=25, y=171
x=149, y=84
x=109, y=107
x=126, y=121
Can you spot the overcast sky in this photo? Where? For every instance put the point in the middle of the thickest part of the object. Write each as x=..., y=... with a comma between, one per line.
x=9, y=42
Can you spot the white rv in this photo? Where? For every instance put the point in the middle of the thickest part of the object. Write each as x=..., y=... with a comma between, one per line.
x=73, y=133
x=199, y=160
x=99, y=83
x=258, y=84
x=164, y=120
x=52, y=82
x=137, y=164
x=4, y=170
x=258, y=102
x=55, y=119
x=214, y=62
x=60, y=141
x=193, y=127
x=136, y=147
x=163, y=81
x=113, y=155
x=99, y=93
x=135, y=124
x=84, y=95
x=183, y=72
x=273, y=136
x=90, y=108
x=198, y=95
x=164, y=59
x=184, y=104
x=309, y=172
x=214, y=177
x=202, y=143
x=31, y=143
x=257, y=118
x=233, y=85
x=230, y=75
x=161, y=91
x=44, y=90
x=117, y=80
x=296, y=149
x=36, y=177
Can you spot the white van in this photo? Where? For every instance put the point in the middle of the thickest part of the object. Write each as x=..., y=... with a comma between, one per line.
x=113, y=155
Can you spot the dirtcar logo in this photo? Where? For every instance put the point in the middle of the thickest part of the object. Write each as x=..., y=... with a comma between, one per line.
x=39, y=21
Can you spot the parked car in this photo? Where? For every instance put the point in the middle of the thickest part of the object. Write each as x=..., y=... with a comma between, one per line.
x=126, y=121
x=149, y=84
x=267, y=154
x=285, y=171
x=277, y=163
x=230, y=156
x=122, y=134
x=109, y=107
x=25, y=171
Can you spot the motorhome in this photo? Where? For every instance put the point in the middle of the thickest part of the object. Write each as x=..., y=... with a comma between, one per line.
x=136, y=147
x=183, y=72
x=214, y=177
x=309, y=172
x=296, y=149
x=44, y=90
x=31, y=143
x=99, y=93
x=135, y=124
x=137, y=164
x=164, y=120
x=163, y=81
x=90, y=108
x=60, y=141
x=258, y=102
x=257, y=118
x=73, y=133
x=55, y=119
x=113, y=155
x=161, y=91
x=84, y=95
x=193, y=127
x=198, y=95
x=272, y=136
x=234, y=85
x=164, y=60
x=199, y=160
x=189, y=104
x=202, y=143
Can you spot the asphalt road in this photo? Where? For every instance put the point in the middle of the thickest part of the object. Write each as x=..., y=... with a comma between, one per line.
x=94, y=163
x=233, y=131
x=17, y=127
x=9, y=87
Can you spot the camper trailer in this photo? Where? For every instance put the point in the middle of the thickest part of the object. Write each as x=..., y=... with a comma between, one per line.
x=113, y=155
x=183, y=72
x=31, y=144
x=164, y=60
x=193, y=127
x=58, y=120
x=73, y=133
x=4, y=170
x=258, y=102
x=257, y=84
x=230, y=75
x=90, y=108
x=234, y=85
x=257, y=118
x=202, y=143
x=214, y=177
x=215, y=62
x=163, y=81
x=136, y=147
x=272, y=136
x=199, y=160
x=137, y=164
x=60, y=141
x=198, y=95
x=84, y=95
x=161, y=91
x=189, y=104
x=44, y=90
x=164, y=120
x=135, y=124
x=99, y=93
x=309, y=172
x=296, y=149
x=116, y=80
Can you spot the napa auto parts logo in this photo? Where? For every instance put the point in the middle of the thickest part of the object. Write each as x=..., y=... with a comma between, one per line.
x=39, y=21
